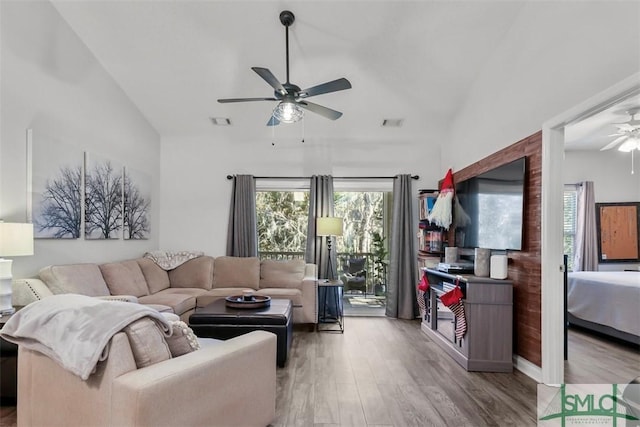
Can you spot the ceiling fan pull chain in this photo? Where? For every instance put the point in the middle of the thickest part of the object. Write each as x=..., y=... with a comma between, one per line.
x=273, y=136
x=303, y=120
x=632, y=171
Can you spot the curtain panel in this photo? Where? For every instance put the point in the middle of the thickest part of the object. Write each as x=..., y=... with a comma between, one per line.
x=401, y=293
x=320, y=205
x=242, y=234
x=586, y=250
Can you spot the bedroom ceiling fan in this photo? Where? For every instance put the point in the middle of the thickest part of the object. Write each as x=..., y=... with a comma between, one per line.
x=292, y=99
x=628, y=135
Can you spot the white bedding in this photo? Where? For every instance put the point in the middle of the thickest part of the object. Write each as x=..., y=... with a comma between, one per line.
x=610, y=298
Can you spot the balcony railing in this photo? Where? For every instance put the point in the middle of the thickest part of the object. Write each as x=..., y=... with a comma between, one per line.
x=341, y=262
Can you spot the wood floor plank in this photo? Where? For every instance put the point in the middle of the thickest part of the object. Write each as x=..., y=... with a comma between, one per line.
x=326, y=407
x=373, y=404
x=350, y=405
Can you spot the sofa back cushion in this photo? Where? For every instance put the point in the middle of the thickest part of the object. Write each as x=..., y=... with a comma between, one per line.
x=236, y=272
x=282, y=274
x=147, y=341
x=83, y=279
x=195, y=273
x=124, y=278
x=157, y=278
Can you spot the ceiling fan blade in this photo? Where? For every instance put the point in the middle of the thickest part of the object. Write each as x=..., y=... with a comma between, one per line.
x=225, y=101
x=273, y=121
x=332, y=86
x=613, y=143
x=319, y=109
x=268, y=77
x=624, y=126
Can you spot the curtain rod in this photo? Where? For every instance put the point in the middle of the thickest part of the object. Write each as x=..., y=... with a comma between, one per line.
x=335, y=177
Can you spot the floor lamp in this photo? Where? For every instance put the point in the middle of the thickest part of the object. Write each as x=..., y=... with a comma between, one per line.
x=15, y=240
x=329, y=226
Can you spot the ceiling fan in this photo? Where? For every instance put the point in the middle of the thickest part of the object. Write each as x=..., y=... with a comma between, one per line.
x=292, y=98
x=628, y=134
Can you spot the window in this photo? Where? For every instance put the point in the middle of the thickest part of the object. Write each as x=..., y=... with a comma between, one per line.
x=570, y=212
x=362, y=213
x=282, y=223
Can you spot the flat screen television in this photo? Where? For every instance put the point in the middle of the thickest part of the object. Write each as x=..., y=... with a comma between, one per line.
x=490, y=210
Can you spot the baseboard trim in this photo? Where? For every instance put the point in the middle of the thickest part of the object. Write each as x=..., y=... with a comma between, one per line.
x=529, y=369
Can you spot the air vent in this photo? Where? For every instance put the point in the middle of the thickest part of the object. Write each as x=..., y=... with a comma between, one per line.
x=392, y=123
x=221, y=121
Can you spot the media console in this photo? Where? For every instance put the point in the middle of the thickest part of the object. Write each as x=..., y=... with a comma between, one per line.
x=488, y=304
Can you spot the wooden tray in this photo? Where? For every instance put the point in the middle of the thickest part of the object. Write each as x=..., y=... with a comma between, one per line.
x=257, y=301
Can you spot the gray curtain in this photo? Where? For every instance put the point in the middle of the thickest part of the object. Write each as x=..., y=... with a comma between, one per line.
x=320, y=204
x=586, y=251
x=401, y=294
x=242, y=235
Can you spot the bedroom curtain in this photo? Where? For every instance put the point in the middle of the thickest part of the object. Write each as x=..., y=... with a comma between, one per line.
x=401, y=294
x=320, y=204
x=242, y=234
x=586, y=250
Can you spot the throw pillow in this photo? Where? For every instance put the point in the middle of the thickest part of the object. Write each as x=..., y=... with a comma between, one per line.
x=236, y=272
x=147, y=342
x=281, y=274
x=182, y=339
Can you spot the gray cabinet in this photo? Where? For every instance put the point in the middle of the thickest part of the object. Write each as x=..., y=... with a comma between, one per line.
x=488, y=306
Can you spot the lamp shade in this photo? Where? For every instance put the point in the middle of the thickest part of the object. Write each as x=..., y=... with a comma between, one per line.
x=329, y=226
x=16, y=239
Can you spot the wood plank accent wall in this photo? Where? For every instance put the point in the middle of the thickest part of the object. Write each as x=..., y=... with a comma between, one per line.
x=524, y=266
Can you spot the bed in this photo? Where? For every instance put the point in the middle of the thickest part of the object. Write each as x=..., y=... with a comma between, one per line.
x=606, y=301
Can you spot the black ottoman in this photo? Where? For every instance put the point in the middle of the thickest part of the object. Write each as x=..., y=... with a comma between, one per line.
x=216, y=320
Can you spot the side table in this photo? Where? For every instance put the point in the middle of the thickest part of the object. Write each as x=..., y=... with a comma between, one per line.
x=330, y=310
x=8, y=368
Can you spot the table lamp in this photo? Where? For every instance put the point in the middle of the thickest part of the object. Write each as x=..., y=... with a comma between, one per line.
x=16, y=239
x=329, y=226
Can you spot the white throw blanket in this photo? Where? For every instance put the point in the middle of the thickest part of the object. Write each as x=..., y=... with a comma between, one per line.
x=168, y=260
x=74, y=330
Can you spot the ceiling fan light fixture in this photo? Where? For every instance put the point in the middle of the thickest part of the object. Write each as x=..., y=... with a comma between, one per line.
x=630, y=145
x=288, y=112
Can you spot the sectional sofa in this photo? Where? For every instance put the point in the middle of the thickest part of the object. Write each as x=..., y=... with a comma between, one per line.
x=195, y=283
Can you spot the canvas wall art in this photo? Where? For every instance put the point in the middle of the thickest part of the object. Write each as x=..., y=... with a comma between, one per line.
x=137, y=205
x=56, y=188
x=103, y=198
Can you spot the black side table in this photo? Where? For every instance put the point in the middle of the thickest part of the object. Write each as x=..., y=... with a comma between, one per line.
x=330, y=310
x=8, y=368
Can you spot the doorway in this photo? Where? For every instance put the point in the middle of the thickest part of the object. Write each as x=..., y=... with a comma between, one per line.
x=553, y=142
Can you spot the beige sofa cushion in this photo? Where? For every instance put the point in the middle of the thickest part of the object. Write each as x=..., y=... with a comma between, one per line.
x=147, y=342
x=281, y=274
x=182, y=339
x=156, y=277
x=124, y=278
x=236, y=272
x=83, y=279
x=195, y=273
x=178, y=302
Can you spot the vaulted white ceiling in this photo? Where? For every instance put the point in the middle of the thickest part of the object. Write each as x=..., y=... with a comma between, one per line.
x=410, y=60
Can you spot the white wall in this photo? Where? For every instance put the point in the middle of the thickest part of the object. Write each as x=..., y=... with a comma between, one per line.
x=610, y=172
x=196, y=193
x=556, y=55
x=51, y=83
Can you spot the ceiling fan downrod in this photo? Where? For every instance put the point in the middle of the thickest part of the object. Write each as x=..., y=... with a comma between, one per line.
x=287, y=18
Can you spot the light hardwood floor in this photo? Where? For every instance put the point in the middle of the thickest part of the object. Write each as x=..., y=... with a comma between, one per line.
x=385, y=372
x=594, y=359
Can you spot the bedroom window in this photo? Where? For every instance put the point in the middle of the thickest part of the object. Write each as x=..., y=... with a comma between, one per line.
x=570, y=209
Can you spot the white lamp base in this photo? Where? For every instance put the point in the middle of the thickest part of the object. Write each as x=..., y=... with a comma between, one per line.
x=5, y=287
